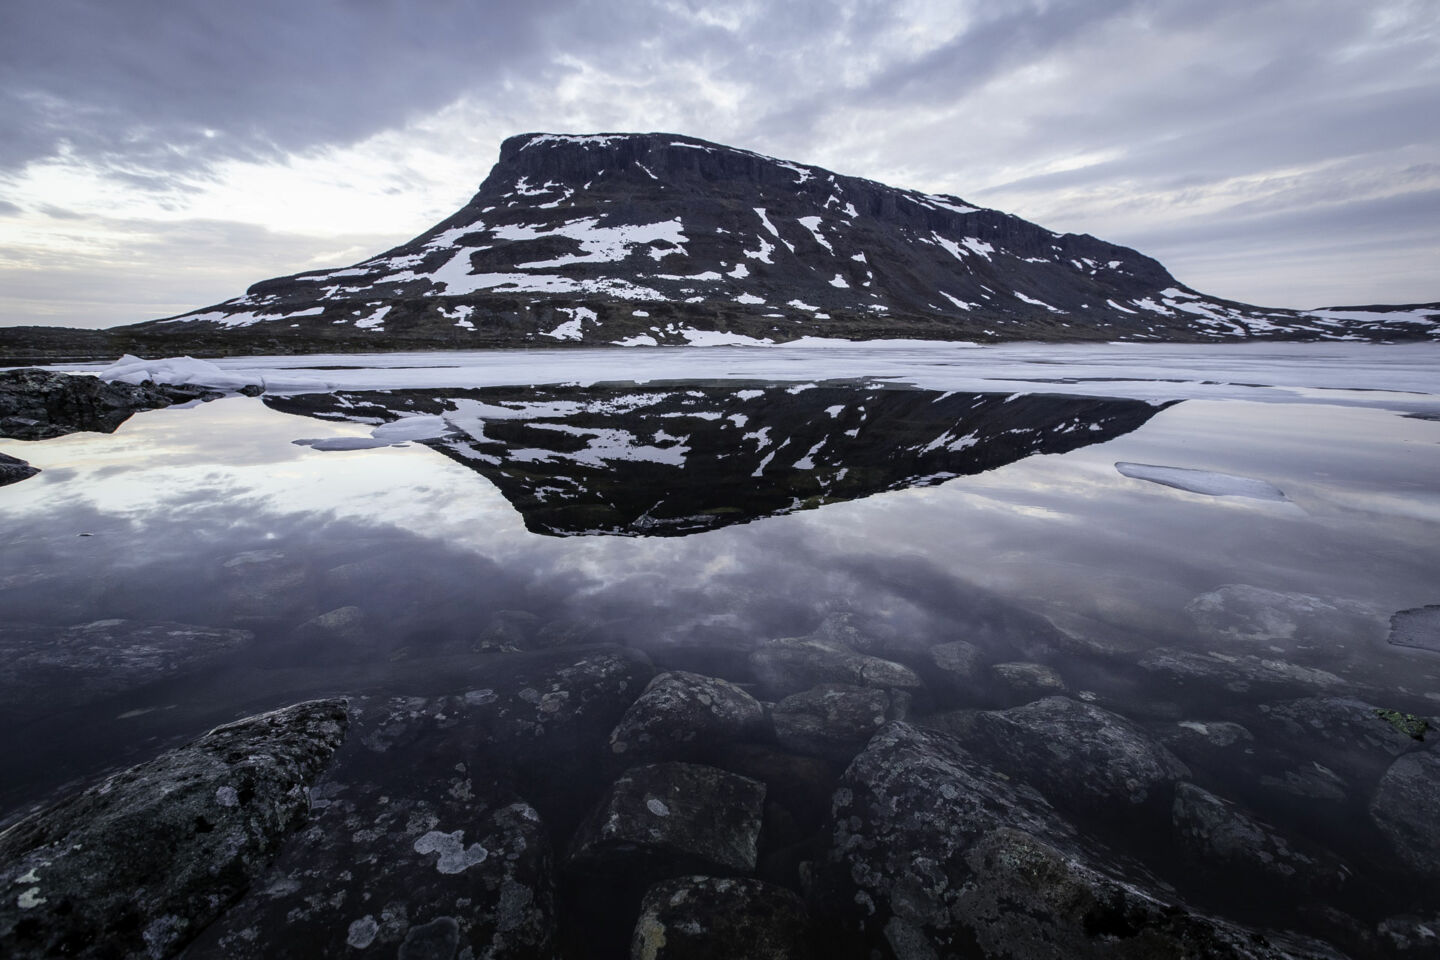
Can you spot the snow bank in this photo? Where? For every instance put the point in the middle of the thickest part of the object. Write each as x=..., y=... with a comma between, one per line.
x=177, y=370
x=1202, y=481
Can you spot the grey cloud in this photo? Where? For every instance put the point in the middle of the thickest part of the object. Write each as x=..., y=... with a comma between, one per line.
x=8, y=209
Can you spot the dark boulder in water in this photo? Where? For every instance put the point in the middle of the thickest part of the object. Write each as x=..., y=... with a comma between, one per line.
x=13, y=470
x=138, y=864
x=717, y=918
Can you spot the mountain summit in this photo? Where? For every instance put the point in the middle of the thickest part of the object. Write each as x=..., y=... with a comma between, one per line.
x=659, y=238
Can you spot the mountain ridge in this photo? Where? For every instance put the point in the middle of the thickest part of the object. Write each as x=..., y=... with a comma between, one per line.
x=658, y=238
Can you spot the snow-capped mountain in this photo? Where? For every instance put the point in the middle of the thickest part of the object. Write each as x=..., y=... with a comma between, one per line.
x=672, y=461
x=659, y=238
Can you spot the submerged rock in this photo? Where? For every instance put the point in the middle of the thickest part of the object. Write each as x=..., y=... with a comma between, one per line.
x=37, y=404
x=1028, y=679
x=1217, y=834
x=664, y=819
x=1077, y=753
x=68, y=666
x=1406, y=808
x=13, y=470
x=137, y=864
x=681, y=713
x=834, y=720
x=791, y=665
x=710, y=918
x=936, y=854
x=1237, y=674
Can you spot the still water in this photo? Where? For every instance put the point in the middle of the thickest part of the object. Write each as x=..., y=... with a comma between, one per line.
x=696, y=516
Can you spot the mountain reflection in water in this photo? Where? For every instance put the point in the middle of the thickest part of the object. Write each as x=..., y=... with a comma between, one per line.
x=676, y=460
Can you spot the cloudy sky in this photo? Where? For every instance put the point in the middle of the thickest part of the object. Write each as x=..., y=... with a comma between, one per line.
x=161, y=155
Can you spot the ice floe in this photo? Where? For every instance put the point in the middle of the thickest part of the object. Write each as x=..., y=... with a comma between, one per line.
x=1205, y=482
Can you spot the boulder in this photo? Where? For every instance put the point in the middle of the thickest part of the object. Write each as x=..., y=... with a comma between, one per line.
x=409, y=866
x=1406, y=808
x=1077, y=753
x=665, y=819
x=1340, y=725
x=790, y=665
x=13, y=470
x=719, y=918
x=680, y=715
x=138, y=864
x=834, y=720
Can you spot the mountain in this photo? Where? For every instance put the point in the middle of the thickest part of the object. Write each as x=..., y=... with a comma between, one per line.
x=659, y=460
x=660, y=238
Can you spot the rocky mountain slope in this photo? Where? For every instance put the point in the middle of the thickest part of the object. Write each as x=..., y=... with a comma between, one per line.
x=657, y=239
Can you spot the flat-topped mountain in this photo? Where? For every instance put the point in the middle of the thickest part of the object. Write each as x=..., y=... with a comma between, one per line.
x=660, y=238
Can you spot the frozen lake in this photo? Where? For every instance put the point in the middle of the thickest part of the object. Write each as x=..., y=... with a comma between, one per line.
x=1195, y=538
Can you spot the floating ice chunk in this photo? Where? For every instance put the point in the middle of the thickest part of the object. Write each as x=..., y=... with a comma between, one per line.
x=177, y=370
x=1202, y=481
x=424, y=427
x=341, y=443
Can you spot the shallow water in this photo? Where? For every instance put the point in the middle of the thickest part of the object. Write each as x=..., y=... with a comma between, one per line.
x=369, y=570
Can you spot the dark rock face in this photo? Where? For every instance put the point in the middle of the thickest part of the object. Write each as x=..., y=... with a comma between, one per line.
x=138, y=864
x=666, y=818
x=936, y=854
x=834, y=720
x=650, y=237
x=1406, y=807
x=13, y=470
x=662, y=461
x=680, y=714
x=710, y=918
x=78, y=664
x=36, y=404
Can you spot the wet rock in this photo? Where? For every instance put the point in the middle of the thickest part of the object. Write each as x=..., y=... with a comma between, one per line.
x=13, y=470
x=664, y=819
x=1219, y=836
x=44, y=666
x=1406, y=808
x=1410, y=936
x=1237, y=674
x=136, y=865
x=36, y=404
x=833, y=720
x=508, y=630
x=1211, y=734
x=680, y=715
x=1028, y=679
x=936, y=854
x=1025, y=896
x=791, y=665
x=1340, y=725
x=710, y=918
x=1419, y=628
x=1077, y=753
x=410, y=866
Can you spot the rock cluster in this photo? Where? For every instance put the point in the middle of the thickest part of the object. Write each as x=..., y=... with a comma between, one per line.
x=823, y=800
x=37, y=404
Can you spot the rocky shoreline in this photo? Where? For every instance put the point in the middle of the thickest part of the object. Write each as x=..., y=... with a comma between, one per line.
x=821, y=800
